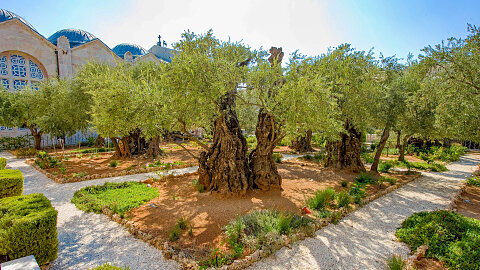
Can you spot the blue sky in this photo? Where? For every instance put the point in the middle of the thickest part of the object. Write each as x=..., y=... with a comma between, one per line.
x=391, y=27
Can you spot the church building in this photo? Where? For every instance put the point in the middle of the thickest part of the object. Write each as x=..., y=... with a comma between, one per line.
x=27, y=57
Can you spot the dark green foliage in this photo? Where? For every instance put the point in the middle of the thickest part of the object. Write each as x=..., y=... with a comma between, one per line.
x=182, y=223
x=396, y=263
x=217, y=259
x=344, y=183
x=3, y=163
x=451, y=237
x=368, y=157
x=92, y=150
x=119, y=197
x=174, y=234
x=46, y=161
x=474, y=181
x=91, y=141
x=108, y=266
x=343, y=199
x=390, y=180
x=11, y=183
x=28, y=226
x=364, y=178
x=322, y=199
x=385, y=166
x=357, y=190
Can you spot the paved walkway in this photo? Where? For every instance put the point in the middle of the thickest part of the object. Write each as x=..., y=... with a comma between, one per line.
x=365, y=238
x=87, y=240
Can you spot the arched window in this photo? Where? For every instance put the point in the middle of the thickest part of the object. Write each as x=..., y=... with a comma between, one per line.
x=18, y=70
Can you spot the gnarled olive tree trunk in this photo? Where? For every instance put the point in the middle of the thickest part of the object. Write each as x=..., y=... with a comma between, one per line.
x=37, y=136
x=303, y=144
x=154, y=150
x=264, y=173
x=345, y=153
x=224, y=167
x=99, y=142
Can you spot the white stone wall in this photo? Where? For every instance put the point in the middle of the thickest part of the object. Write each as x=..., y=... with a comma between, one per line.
x=92, y=51
x=16, y=36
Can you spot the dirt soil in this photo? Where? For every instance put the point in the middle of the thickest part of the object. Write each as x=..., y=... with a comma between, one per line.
x=429, y=264
x=100, y=163
x=209, y=213
x=469, y=202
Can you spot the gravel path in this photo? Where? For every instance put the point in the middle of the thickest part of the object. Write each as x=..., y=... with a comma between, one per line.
x=87, y=240
x=365, y=238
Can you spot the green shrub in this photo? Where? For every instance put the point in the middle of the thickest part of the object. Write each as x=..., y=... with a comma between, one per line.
x=277, y=157
x=390, y=180
x=182, y=223
x=11, y=183
x=174, y=234
x=25, y=152
x=343, y=199
x=385, y=166
x=119, y=197
x=322, y=199
x=344, y=183
x=368, y=157
x=12, y=143
x=251, y=142
x=364, y=178
x=451, y=237
x=28, y=226
x=262, y=228
x=108, y=266
x=357, y=190
x=474, y=181
x=424, y=166
x=3, y=163
x=45, y=161
x=396, y=263
x=113, y=163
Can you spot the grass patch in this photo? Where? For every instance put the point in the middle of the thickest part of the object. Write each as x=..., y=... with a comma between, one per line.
x=451, y=237
x=322, y=199
x=364, y=178
x=119, y=197
x=396, y=262
x=424, y=166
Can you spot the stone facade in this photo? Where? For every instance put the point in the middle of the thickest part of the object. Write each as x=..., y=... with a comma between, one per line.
x=42, y=58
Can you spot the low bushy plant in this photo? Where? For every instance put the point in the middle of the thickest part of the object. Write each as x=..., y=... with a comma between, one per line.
x=113, y=163
x=368, y=157
x=262, y=228
x=344, y=183
x=386, y=165
x=390, y=180
x=424, y=166
x=174, y=234
x=364, y=178
x=450, y=237
x=11, y=183
x=343, y=199
x=46, y=161
x=25, y=152
x=28, y=226
x=119, y=197
x=277, y=157
x=322, y=199
x=357, y=190
x=395, y=262
x=474, y=181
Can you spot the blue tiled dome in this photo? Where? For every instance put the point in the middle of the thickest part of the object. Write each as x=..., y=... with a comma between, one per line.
x=75, y=36
x=135, y=49
x=6, y=15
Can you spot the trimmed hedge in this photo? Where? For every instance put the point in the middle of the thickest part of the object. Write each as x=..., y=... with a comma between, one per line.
x=11, y=183
x=3, y=163
x=28, y=226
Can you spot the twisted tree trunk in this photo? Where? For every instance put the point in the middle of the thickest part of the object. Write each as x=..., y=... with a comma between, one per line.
x=224, y=167
x=37, y=136
x=403, y=146
x=154, y=149
x=303, y=144
x=345, y=153
x=264, y=173
x=99, y=142
x=381, y=145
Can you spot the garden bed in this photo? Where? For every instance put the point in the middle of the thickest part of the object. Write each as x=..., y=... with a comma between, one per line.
x=207, y=214
x=81, y=167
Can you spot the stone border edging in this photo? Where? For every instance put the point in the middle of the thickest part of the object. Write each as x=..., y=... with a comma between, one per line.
x=172, y=252
x=420, y=253
x=63, y=180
